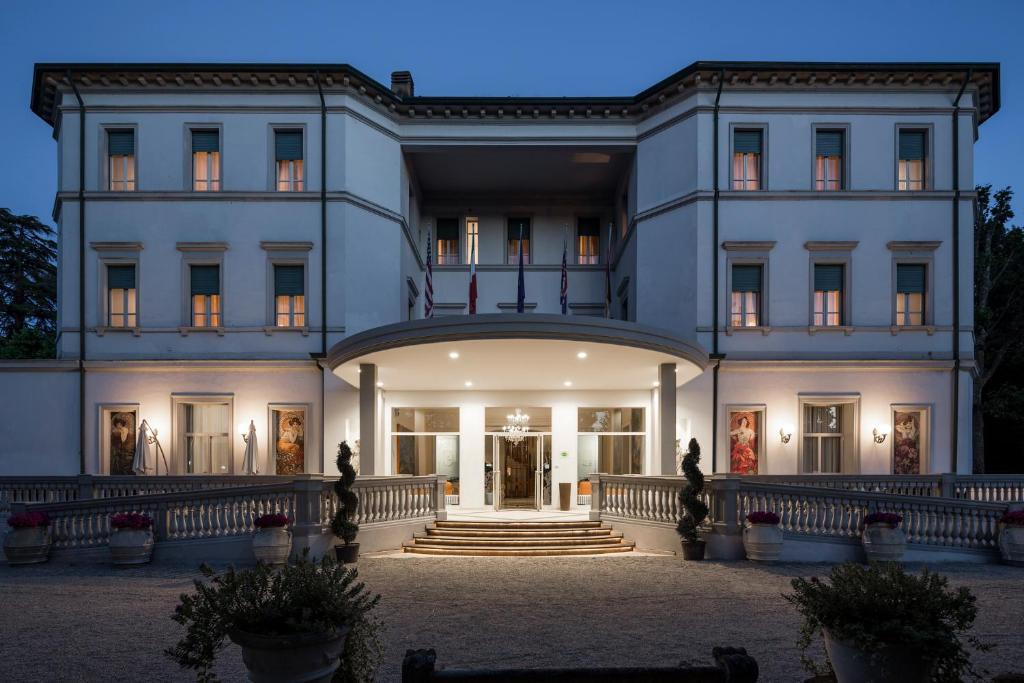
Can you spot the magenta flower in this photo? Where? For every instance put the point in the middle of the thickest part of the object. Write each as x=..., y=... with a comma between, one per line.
x=890, y=519
x=131, y=520
x=272, y=520
x=763, y=517
x=28, y=520
x=1015, y=518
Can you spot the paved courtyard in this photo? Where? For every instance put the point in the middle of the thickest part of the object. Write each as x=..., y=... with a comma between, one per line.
x=93, y=623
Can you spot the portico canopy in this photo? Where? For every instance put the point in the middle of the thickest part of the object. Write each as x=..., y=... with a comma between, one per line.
x=505, y=351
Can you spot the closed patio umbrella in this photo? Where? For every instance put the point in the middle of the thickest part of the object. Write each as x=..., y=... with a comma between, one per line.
x=250, y=464
x=143, y=462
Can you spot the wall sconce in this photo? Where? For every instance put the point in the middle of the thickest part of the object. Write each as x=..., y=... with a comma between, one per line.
x=785, y=434
x=879, y=433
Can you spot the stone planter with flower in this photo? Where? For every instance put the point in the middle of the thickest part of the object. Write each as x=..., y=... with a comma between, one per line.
x=882, y=538
x=132, y=540
x=28, y=541
x=1011, y=538
x=762, y=537
x=272, y=542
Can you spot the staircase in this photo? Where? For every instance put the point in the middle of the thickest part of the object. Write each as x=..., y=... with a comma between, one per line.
x=517, y=539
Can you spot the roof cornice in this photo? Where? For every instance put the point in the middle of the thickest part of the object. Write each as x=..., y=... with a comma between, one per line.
x=50, y=77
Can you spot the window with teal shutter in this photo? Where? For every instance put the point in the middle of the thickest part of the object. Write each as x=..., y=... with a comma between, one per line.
x=828, y=295
x=121, y=142
x=746, y=296
x=746, y=159
x=205, y=287
x=828, y=160
x=288, y=160
x=911, y=285
x=205, y=160
x=121, y=299
x=121, y=160
x=205, y=279
x=448, y=242
x=517, y=227
x=913, y=152
x=289, y=296
x=205, y=141
x=288, y=145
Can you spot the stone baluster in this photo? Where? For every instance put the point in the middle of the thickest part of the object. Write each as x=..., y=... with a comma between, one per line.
x=595, y=497
x=440, y=506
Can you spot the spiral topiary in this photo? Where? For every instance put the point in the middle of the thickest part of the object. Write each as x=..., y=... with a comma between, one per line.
x=696, y=511
x=342, y=524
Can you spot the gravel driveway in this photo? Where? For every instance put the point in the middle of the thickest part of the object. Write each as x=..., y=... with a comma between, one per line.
x=92, y=623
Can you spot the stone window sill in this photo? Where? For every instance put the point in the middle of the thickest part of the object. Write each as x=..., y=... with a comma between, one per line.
x=896, y=329
x=185, y=330
x=269, y=330
x=102, y=330
x=845, y=329
x=762, y=329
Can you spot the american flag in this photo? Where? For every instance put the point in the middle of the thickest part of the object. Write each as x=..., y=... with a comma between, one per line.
x=428, y=297
x=564, y=296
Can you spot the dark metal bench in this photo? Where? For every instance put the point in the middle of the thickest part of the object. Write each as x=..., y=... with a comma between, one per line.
x=732, y=665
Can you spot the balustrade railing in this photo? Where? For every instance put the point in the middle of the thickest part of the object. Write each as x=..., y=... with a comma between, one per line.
x=389, y=499
x=900, y=485
x=650, y=499
x=1006, y=488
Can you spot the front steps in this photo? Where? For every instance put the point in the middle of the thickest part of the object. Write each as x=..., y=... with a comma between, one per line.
x=517, y=539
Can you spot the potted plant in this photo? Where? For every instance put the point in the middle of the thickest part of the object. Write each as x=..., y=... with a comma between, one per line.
x=695, y=509
x=762, y=537
x=132, y=540
x=1011, y=537
x=272, y=542
x=882, y=624
x=28, y=541
x=882, y=538
x=342, y=524
x=292, y=624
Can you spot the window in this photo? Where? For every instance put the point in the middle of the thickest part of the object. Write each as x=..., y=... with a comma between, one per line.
x=204, y=437
x=205, y=288
x=828, y=160
x=289, y=296
x=588, y=241
x=121, y=311
x=610, y=441
x=746, y=296
x=288, y=154
x=121, y=160
x=910, y=294
x=472, y=240
x=518, y=228
x=828, y=436
x=828, y=295
x=912, y=155
x=426, y=441
x=448, y=242
x=206, y=160
x=746, y=160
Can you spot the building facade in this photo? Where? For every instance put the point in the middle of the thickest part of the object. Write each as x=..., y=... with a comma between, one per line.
x=772, y=258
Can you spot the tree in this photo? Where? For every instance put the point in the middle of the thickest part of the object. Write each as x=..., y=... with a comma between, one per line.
x=696, y=510
x=342, y=524
x=998, y=310
x=28, y=287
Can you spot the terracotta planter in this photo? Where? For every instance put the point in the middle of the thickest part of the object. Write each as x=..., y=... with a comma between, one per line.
x=347, y=553
x=305, y=658
x=1011, y=544
x=30, y=545
x=131, y=546
x=693, y=551
x=762, y=542
x=894, y=664
x=272, y=545
x=883, y=543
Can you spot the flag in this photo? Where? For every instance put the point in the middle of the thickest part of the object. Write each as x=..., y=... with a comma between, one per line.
x=521, y=295
x=472, y=274
x=564, y=295
x=608, y=275
x=428, y=296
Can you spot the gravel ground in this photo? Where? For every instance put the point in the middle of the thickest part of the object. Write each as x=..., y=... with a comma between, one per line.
x=93, y=623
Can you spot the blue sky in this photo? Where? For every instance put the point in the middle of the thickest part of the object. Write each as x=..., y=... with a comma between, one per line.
x=552, y=47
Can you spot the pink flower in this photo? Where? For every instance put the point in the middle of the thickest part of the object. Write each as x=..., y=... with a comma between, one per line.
x=271, y=520
x=890, y=519
x=1015, y=518
x=763, y=517
x=131, y=520
x=28, y=520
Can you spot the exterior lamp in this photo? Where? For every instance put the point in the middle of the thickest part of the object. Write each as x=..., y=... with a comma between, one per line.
x=243, y=429
x=785, y=434
x=880, y=432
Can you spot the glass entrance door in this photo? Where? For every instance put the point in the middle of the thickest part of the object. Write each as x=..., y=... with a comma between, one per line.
x=518, y=473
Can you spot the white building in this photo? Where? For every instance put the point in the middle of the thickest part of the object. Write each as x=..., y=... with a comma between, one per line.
x=776, y=244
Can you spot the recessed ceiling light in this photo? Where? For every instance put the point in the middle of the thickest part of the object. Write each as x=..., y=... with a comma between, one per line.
x=468, y=383
x=655, y=383
x=567, y=383
x=581, y=355
x=380, y=384
x=453, y=354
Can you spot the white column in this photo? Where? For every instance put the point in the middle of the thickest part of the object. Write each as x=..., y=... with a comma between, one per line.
x=667, y=417
x=367, y=419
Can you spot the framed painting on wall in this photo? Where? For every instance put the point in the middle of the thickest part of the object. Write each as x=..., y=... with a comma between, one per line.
x=910, y=443
x=288, y=426
x=118, y=432
x=745, y=425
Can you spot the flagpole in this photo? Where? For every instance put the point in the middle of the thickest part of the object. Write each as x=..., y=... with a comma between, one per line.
x=521, y=294
x=564, y=293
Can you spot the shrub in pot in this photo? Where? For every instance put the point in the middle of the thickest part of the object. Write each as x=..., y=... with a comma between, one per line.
x=132, y=539
x=293, y=624
x=28, y=541
x=880, y=623
x=882, y=538
x=762, y=537
x=695, y=510
x=1011, y=537
x=348, y=502
x=272, y=542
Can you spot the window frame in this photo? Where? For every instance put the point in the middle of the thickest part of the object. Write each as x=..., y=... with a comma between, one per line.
x=763, y=161
x=189, y=166
x=528, y=255
x=928, y=168
x=599, y=256
x=849, y=453
x=102, y=419
x=844, y=166
x=310, y=443
x=748, y=253
x=831, y=253
x=457, y=256
x=914, y=253
x=105, y=130
x=178, y=435
x=646, y=434
x=272, y=130
x=926, y=433
x=201, y=254
x=116, y=254
x=468, y=256
x=285, y=254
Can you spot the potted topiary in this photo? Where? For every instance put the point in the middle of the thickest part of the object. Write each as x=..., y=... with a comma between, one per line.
x=762, y=537
x=28, y=541
x=343, y=525
x=272, y=542
x=292, y=624
x=1011, y=537
x=695, y=509
x=882, y=624
x=132, y=540
x=882, y=538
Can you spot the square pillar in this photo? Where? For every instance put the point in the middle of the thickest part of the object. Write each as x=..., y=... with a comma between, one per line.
x=367, y=419
x=667, y=416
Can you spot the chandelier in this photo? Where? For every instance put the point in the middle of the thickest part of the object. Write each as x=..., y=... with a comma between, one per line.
x=517, y=427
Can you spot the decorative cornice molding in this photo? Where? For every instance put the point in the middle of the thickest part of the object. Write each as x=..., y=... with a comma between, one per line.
x=849, y=245
x=913, y=245
x=201, y=246
x=752, y=245
x=116, y=246
x=286, y=246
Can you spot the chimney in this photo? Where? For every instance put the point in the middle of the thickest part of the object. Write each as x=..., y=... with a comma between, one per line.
x=401, y=83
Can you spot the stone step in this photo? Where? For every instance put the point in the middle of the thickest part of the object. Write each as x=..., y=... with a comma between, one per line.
x=517, y=539
x=516, y=542
x=518, y=533
x=518, y=551
x=582, y=524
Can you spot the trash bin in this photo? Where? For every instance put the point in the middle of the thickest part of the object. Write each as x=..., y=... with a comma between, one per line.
x=564, y=496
